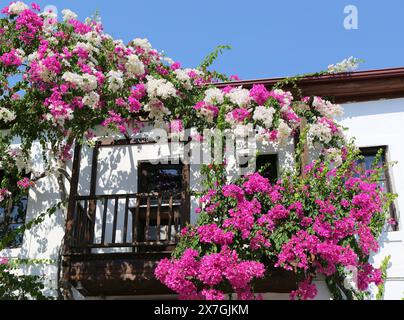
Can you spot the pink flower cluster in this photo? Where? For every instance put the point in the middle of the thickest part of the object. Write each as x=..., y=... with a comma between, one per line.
x=330, y=124
x=238, y=115
x=306, y=290
x=211, y=270
x=206, y=109
x=256, y=183
x=4, y=193
x=3, y=261
x=259, y=94
x=176, y=126
x=11, y=58
x=211, y=233
x=29, y=23
x=25, y=183
x=115, y=119
x=368, y=274
x=321, y=240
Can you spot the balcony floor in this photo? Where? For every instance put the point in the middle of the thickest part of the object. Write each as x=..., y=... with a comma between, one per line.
x=130, y=274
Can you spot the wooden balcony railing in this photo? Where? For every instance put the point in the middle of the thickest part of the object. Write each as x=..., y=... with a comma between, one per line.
x=139, y=222
x=113, y=243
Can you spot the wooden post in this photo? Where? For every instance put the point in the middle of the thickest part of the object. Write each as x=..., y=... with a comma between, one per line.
x=67, y=241
x=92, y=205
x=186, y=199
x=304, y=157
x=94, y=165
x=72, y=199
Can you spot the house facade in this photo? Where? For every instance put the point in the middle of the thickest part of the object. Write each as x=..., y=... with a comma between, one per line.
x=129, y=198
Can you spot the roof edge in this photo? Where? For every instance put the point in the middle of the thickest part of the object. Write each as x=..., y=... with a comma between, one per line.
x=343, y=87
x=343, y=76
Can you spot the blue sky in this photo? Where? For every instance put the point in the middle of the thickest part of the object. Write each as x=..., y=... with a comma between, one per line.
x=269, y=38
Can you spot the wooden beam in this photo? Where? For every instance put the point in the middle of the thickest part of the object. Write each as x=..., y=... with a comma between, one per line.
x=128, y=274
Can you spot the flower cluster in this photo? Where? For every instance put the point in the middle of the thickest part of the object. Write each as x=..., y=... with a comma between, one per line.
x=317, y=224
x=79, y=74
x=4, y=193
x=25, y=183
x=63, y=79
x=346, y=65
x=210, y=270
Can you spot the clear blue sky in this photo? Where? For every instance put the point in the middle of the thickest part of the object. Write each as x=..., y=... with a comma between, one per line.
x=269, y=38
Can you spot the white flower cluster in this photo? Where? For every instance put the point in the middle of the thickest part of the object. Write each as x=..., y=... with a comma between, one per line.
x=6, y=115
x=264, y=115
x=115, y=80
x=49, y=17
x=184, y=78
x=21, y=162
x=17, y=7
x=239, y=96
x=142, y=43
x=89, y=82
x=86, y=82
x=92, y=37
x=91, y=99
x=207, y=114
x=160, y=88
x=4, y=193
x=346, y=65
x=320, y=131
x=214, y=96
x=68, y=15
x=242, y=131
x=284, y=131
x=327, y=109
x=334, y=155
x=286, y=98
x=157, y=111
x=87, y=46
x=134, y=67
x=46, y=74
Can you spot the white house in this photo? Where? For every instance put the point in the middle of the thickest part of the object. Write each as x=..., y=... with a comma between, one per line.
x=116, y=229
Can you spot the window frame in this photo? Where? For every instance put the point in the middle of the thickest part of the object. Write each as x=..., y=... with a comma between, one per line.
x=244, y=165
x=275, y=163
x=372, y=151
x=140, y=180
x=9, y=209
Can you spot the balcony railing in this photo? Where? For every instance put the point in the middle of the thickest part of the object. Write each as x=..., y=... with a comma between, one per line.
x=113, y=243
x=138, y=222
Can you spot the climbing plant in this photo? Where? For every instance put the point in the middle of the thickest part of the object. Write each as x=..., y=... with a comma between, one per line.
x=66, y=82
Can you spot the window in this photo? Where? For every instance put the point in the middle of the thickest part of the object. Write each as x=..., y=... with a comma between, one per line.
x=12, y=215
x=159, y=177
x=366, y=163
x=265, y=164
x=159, y=222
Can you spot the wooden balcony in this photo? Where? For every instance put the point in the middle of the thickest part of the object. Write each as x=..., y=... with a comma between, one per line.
x=117, y=240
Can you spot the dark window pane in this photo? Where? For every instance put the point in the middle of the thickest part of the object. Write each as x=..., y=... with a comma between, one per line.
x=267, y=165
x=367, y=163
x=11, y=219
x=160, y=177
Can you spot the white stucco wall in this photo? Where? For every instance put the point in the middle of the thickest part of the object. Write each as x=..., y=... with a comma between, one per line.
x=380, y=123
x=42, y=241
